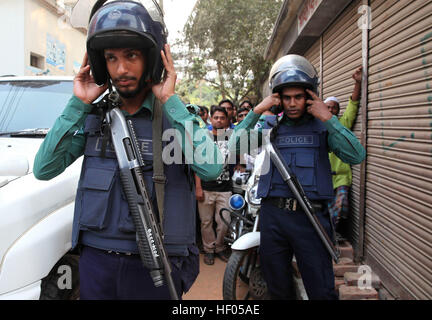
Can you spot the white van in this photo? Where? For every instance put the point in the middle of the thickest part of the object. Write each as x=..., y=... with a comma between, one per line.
x=35, y=216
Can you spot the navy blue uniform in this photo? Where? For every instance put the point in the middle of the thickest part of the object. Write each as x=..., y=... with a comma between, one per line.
x=304, y=143
x=102, y=221
x=285, y=232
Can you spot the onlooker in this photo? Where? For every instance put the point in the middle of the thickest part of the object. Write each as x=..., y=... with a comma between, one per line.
x=246, y=104
x=214, y=195
x=229, y=108
x=228, y=105
x=342, y=175
x=241, y=114
x=204, y=114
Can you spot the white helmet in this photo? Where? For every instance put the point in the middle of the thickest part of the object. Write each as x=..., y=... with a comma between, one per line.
x=293, y=70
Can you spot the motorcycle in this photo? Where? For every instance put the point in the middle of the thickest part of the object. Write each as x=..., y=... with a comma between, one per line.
x=242, y=278
x=241, y=222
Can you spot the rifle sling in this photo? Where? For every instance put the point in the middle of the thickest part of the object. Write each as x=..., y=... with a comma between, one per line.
x=159, y=178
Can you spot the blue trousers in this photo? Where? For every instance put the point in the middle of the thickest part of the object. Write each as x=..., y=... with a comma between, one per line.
x=284, y=234
x=108, y=276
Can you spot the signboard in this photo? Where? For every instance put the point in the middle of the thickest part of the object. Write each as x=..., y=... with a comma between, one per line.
x=305, y=13
x=56, y=53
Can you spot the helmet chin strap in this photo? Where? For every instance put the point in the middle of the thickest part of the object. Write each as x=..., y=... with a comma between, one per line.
x=110, y=88
x=113, y=96
x=143, y=83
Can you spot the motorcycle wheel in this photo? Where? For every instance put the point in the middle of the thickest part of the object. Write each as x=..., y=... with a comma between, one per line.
x=237, y=273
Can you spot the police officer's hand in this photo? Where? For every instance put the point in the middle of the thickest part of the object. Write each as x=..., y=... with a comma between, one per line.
x=267, y=103
x=317, y=107
x=164, y=90
x=85, y=87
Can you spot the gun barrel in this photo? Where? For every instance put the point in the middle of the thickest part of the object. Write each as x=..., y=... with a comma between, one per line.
x=149, y=239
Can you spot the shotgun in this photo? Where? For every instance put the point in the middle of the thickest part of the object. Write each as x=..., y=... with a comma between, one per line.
x=148, y=235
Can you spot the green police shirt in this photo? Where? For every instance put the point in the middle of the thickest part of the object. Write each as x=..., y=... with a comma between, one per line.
x=341, y=141
x=65, y=142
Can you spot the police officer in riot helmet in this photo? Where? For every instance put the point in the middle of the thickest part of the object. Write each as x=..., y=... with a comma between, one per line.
x=303, y=134
x=127, y=49
x=126, y=29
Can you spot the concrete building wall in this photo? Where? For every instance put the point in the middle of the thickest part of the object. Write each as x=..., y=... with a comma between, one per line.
x=12, y=36
x=37, y=39
x=50, y=37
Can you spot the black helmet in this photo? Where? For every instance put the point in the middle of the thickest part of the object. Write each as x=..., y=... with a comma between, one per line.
x=126, y=24
x=293, y=70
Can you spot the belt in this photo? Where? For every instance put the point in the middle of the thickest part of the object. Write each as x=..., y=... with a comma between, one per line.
x=120, y=253
x=292, y=204
x=110, y=252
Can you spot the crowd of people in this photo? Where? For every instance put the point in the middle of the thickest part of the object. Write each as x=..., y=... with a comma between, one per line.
x=305, y=129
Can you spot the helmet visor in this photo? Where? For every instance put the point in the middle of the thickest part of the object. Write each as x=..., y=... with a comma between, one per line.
x=82, y=10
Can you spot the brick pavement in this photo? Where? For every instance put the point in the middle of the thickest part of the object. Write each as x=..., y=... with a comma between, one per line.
x=208, y=285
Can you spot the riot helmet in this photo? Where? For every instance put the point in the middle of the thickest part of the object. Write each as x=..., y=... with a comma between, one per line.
x=293, y=70
x=126, y=24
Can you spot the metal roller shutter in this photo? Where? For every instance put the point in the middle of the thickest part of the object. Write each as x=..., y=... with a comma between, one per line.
x=342, y=54
x=398, y=229
x=314, y=57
